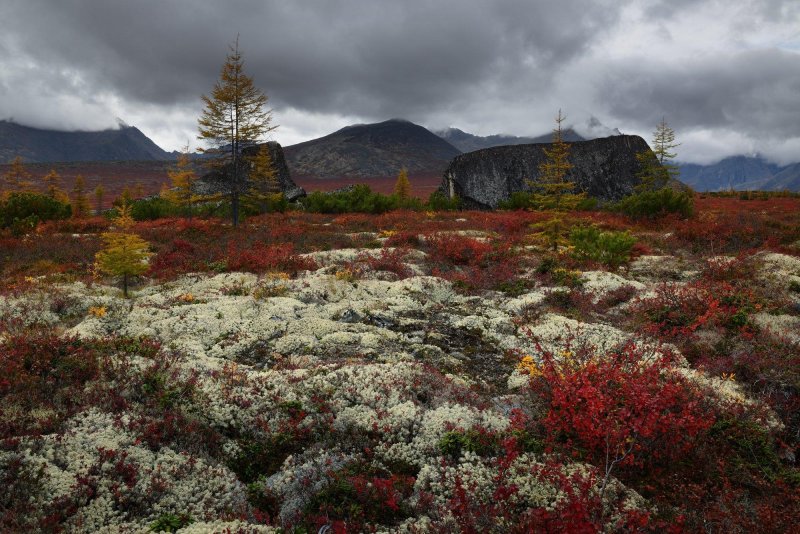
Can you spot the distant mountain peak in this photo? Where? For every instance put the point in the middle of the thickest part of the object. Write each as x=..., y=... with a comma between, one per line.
x=594, y=129
x=372, y=150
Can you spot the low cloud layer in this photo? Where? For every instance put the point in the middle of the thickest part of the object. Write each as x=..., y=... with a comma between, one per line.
x=716, y=72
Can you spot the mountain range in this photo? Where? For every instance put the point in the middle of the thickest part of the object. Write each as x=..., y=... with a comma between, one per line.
x=467, y=142
x=364, y=151
x=740, y=173
x=36, y=145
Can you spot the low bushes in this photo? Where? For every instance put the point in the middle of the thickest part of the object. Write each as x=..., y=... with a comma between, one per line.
x=438, y=201
x=26, y=210
x=535, y=201
x=358, y=198
x=608, y=248
x=260, y=258
x=654, y=204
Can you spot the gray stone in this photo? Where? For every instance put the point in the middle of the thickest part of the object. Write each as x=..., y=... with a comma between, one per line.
x=214, y=182
x=605, y=168
x=351, y=316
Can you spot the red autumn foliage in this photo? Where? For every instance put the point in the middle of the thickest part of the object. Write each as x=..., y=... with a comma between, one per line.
x=179, y=258
x=387, y=260
x=355, y=500
x=457, y=249
x=625, y=409
x=261, y=258
x=43, y=371
x=677, y=311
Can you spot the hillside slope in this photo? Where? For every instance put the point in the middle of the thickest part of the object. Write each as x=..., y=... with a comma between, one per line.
x=371, y=150
x=36, y=145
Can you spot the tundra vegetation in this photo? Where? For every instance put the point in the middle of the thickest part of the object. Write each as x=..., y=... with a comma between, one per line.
x=396, y=370
x=401, y=371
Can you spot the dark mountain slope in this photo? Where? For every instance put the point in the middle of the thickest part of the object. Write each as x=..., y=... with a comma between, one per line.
x=37, y=145
x=735, y=172
x=371, y=150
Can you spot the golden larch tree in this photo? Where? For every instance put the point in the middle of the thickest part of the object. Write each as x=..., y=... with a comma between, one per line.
x=555, y=189
x=402, y=187
x=234, y=118
x=52, y=184
x=263, y=186
x=17, y=177
x=80, y=203
x=182, y=177
x=99, y=192
x=124, y=253
x=125, y=198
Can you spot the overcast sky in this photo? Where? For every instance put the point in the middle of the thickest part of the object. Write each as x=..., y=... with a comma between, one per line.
x=725, y=74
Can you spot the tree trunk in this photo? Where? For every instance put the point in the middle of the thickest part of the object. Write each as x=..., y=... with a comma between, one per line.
x=235, y=209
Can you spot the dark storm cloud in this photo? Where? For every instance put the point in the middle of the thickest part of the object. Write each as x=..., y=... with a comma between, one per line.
x=755, y=92
x=715, y=69
x=369, y=58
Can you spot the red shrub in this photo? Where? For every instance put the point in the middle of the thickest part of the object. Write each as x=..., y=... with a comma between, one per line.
x=90, y=225
x=261, y=258
x=386, y=260
x=355, y=500
x=457, y=250
x=42, y=372
x=178, y=259
x=403, y=239
x=624, y=409
x=677, y=311
x=580, y=508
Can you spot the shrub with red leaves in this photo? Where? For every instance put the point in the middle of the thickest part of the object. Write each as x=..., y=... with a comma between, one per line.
x=388, y=260
x=624, y=409
x=178, y=259
x=260, y=258
x=354, y=500
x=403, y=239
x=457, y=249
x=45, y=373
x=677, y=311
x=580, y=508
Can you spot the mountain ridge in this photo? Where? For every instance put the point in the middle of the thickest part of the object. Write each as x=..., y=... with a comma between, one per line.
x=38, y=145
x=371, y=150
x=467, y=142
x=741, y=173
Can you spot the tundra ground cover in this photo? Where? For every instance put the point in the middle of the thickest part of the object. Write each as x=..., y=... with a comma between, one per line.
x=405, y=372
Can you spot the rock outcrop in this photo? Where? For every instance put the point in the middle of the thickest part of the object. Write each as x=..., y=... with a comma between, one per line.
x=214, y=182
x=604, y=168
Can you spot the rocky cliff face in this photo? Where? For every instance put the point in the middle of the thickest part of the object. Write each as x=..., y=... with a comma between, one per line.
x=604, y=168
x=214, y=183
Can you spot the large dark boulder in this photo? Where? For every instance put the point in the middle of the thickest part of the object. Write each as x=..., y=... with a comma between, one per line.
x=604, y=168
x=214, y=182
